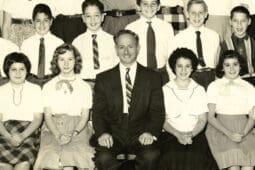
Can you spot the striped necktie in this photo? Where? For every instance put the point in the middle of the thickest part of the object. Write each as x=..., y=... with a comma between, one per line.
x=128, y=88
x=95, y=52
x=41, y=64
x=151, y=47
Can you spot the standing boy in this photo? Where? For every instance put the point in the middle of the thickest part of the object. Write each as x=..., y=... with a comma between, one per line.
x=240, y=41
x=41, y=46
x=203, y=41
x=156, y=35
x=95, y=45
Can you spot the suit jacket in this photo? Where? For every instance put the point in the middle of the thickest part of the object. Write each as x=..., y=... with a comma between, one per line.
x=146, y=109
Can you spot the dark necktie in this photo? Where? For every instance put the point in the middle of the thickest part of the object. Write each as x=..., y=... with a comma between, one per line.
x=239, y=46
x=41, y=65
x=95, y=52
x=151, y=47
x=199, y=49
x=128, y=87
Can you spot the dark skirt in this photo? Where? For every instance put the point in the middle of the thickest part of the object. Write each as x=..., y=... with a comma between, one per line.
x=27, y=151
x=175, y=156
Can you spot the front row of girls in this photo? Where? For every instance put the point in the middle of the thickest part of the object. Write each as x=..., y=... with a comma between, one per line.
x=66, y=99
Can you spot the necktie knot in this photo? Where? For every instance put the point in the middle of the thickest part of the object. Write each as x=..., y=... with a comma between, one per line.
x=198, y=33
x=94, y=36
x=127, y=70
x=41, y=40
x=149, y=23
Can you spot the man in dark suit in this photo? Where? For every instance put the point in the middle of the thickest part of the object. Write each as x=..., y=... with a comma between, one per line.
x=128, y=109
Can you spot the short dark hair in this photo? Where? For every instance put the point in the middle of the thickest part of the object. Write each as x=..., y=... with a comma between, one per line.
x=97, y=3
x=138, y=2
x=42, y=8
x=182, y=53
x=16, y=57
x=192, y=2
x=62, y=49
x=227, y=55
x=125, y=31
x=240, y=9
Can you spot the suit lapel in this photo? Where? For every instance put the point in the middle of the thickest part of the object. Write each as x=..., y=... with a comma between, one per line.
x=137, y=89
x=252, y=52
x=117, y=88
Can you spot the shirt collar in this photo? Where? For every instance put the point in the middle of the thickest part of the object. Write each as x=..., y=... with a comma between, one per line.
x=237, y=80
x=44, y=36
x=143, y=19
x=98, y=32
x=193, y=29
x=243, y=38
x=192, y=85
x=133, y=67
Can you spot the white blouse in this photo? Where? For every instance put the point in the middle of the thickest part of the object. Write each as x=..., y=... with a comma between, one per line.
x=67, y=97
x=183, y=106
x=22, y=105
x=231, y=98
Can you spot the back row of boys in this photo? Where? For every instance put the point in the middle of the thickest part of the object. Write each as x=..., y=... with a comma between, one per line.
x=156, y=38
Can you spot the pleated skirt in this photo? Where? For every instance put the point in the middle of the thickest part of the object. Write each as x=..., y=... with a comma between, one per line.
x=226, y=152
x=28, y=149
x=78, y=153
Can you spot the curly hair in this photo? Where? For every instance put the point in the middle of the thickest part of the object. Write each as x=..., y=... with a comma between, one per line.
x=182, y=53
x=16, y=57
x=62, y=49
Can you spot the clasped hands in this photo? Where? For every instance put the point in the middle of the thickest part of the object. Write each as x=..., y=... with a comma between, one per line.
x=185, y=138
x=145, y=138
x=65, y=138
x=235, y=137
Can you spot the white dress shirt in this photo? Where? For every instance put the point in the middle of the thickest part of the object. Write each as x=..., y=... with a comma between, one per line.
x=64, y=100
x=210, y=43
x=30, y=102
x=183, y=106
x=164, y=39
x=6, y=47
x=30, y=47
x=231, y=98
x=106, y=50
x=23, y=9
x=132, y=74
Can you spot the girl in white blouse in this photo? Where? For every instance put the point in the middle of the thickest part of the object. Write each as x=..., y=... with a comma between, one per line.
x=20, y=115
x=67, y=100
x=230, y=103
x=184, y=146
